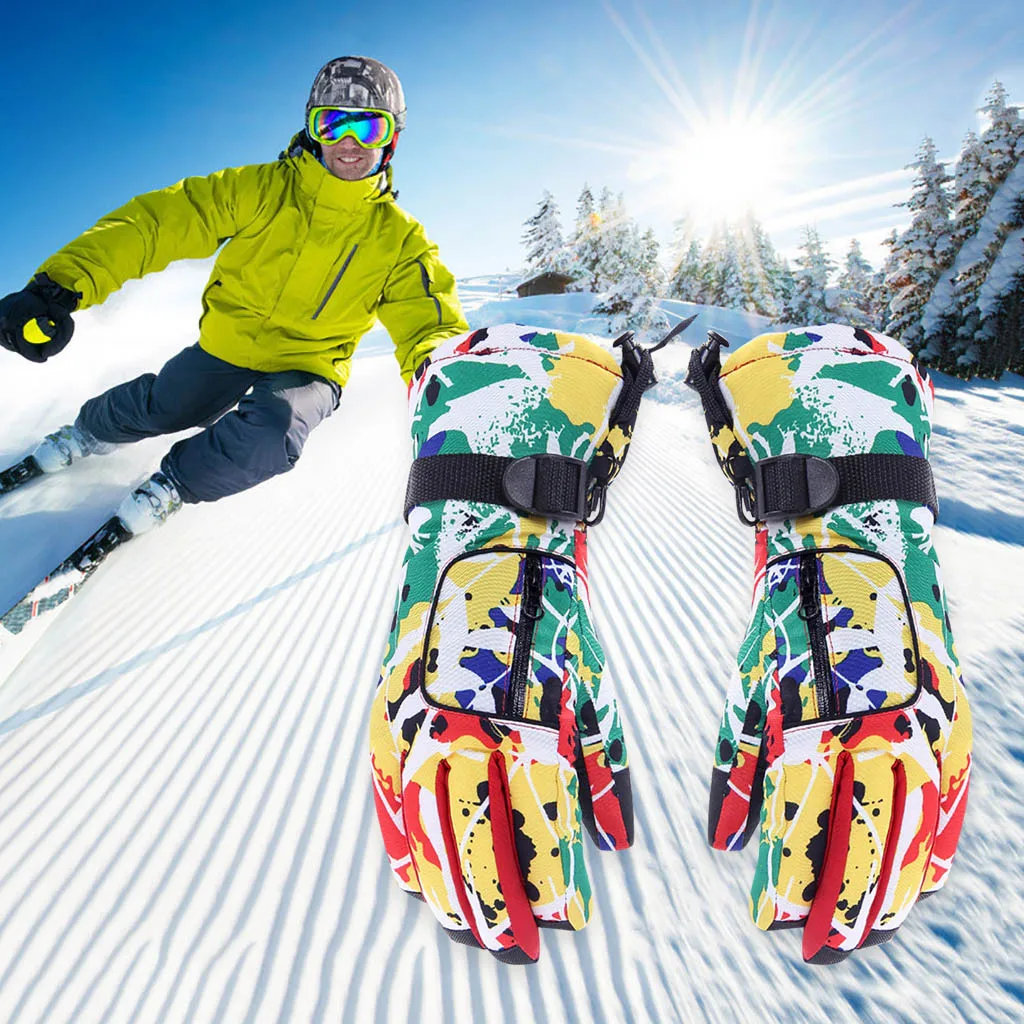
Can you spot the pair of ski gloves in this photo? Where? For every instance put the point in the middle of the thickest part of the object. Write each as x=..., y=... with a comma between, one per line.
x=845, y=741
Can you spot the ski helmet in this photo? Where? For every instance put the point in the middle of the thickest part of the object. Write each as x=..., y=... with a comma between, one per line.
x=358, y=82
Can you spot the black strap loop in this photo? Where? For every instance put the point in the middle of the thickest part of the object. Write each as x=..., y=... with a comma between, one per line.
x=554, y=486
x=702, y=375
x=788, y=486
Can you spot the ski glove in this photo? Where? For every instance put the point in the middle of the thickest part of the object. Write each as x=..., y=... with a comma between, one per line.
x=846, y=732
x=36, y=322
x=493, y=738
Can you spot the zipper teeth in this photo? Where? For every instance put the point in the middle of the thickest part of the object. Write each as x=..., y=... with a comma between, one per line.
x=823, y=686
x=519, y=672
x=334, y=283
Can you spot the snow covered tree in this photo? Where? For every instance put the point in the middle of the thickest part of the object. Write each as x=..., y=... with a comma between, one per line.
x=784, y=287
x=990, y=263
x=811, y=301
x=685, y=281
x=881, y=293
x=620, y=247
x=650, y=263
x=924, y=250
x=587, y=250
x=713, y=268
x=971, y=189
x=854, y=288
x=1000, y=140
x=733, y=293
x=684, y=278
x=758, y=265
x=632, y=277
x=545, y=246
x=988, y=174
x=1001, y=305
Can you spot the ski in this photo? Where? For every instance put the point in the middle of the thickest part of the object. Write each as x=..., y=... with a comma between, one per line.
x=20, y=473
x=22, y=625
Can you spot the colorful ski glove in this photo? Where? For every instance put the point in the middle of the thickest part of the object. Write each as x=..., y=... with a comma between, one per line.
x=36, y=322
x=493, y=738
x=846, y=732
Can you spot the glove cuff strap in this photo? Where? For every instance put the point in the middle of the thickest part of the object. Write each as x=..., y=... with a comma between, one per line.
x=45, y=287
x=553, y=486
x=789, y=486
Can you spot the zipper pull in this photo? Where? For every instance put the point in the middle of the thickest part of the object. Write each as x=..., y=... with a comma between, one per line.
x=533, y=587
x=810, y=603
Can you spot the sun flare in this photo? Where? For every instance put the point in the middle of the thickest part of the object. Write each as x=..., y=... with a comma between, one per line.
x=723, y=169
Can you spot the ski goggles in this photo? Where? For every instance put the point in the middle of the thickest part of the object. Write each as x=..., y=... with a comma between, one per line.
x=370, y=128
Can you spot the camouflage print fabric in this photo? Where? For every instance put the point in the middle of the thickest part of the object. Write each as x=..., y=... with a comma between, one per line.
x=493, y=737
x=359, y=83
x=847, y=733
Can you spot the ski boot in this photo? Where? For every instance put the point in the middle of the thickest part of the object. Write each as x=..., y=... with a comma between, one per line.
x=149, y=505
x=61, y=448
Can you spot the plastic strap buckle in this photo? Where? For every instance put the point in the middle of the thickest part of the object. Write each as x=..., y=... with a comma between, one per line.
x=547, y=485
x=788, y=486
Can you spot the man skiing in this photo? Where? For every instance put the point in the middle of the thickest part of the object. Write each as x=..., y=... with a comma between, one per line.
x=316, y=250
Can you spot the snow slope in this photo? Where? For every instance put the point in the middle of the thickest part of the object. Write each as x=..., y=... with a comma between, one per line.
x=186, y=828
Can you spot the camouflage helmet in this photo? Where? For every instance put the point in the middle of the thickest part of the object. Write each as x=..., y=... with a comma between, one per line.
x=358, y=82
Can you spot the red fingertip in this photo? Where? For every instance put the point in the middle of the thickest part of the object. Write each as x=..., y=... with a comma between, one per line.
x=830, y=877
x=510, y=877
x=451, y=847
x=892, y=840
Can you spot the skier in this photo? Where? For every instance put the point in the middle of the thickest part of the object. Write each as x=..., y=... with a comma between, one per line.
x=316, y=249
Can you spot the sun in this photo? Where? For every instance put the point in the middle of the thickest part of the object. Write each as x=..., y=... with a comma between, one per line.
x=724, y=169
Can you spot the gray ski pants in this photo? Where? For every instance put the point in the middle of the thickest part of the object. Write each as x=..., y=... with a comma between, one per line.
x=255, y=423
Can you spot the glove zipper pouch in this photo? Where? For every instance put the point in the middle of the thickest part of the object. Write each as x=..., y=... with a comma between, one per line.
x=498, y=634
x=845, y=640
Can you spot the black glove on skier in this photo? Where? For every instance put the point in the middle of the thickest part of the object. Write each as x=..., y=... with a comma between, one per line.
x=36, y=322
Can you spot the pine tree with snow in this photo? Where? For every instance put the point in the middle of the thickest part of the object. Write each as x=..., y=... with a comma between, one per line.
x=971, y=189
x=759, y=267
x=545, y=246
x=733, y=291
x=984, y=345
x=880, y=292
x=812, y=301
x=784, y=287
x=685, y=281
x=924, y=250
x=631, y=272
x=650, y=262
x=951, y=319
x=1001, y=138
x=587, y=249
x=854, y=288
x=713, y=269
x=620, y=246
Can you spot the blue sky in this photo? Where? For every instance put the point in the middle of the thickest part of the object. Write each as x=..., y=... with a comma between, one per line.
x=104, y=101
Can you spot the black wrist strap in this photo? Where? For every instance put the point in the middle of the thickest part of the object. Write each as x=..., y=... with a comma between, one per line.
x=553, y=486
x=800, y=485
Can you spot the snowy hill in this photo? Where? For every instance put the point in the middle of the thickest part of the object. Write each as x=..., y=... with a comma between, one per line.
x=186, y=825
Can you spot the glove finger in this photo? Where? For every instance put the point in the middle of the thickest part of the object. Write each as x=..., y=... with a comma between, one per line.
x=751, y=728
x=954, y=783
x=894, y=886
x=481, y=864
x=549, y=839
x=605, y=793
x=737, y=779
x=830, y=875
x=386, y=767
x=874, y=858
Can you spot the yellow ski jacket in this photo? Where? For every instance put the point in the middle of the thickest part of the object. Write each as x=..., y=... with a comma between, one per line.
x=310, y=263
